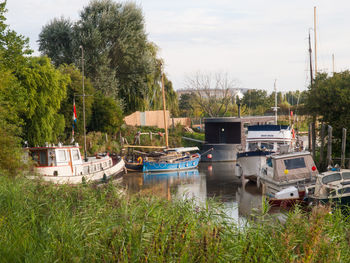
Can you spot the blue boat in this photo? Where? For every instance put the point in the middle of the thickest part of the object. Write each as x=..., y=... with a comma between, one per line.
x=173, y=160
x=170, y=174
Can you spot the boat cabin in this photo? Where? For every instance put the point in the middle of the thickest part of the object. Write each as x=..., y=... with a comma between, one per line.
x=290, y=167
x=66, y=161
x=268, y=137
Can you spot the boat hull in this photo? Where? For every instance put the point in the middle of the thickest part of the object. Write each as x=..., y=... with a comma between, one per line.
x=105, y=174
x=177, y=166
x=251, y=163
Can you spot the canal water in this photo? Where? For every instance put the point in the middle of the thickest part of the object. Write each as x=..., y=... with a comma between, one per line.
x=210, y=180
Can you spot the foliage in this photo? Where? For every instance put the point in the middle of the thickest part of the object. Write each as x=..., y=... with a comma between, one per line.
x=55, y=41
x=328, y=98
x=45, y=223
x=119, y=60
x=75, y=92
x=45, y=88
x=107, y=114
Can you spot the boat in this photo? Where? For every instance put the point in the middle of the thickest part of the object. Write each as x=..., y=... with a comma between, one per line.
x=64, y=165
x=174, y=159
x=332, y=186
x=262, y=140
x=285, y=176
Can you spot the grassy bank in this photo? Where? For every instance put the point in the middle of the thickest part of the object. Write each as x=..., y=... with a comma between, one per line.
x=45, y=223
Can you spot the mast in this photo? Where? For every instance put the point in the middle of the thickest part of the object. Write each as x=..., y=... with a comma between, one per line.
x=164, y=109
x=275, y=108
x=333, y=63
x=82, y=68
x=315, y=41
x=310, y=55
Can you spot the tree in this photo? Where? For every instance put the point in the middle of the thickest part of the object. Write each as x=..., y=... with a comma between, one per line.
x=45, y=89
x=213, y=94
x=75, y=92
x=56, y=41
x=257, y=101
x=13, y=48
x=107, y=114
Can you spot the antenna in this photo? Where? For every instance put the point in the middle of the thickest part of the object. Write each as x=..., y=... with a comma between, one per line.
x=315, y=41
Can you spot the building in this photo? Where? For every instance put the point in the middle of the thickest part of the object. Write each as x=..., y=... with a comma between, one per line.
x=227, y=135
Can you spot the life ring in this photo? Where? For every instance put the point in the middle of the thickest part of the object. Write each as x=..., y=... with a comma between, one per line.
x=140, y=160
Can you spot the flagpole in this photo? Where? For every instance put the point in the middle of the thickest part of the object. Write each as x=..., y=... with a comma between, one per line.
x=82, y=69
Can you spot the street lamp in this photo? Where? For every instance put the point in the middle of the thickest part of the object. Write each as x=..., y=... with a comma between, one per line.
x=82, y=69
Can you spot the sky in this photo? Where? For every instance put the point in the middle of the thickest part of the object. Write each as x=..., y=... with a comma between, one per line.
x=255, y=42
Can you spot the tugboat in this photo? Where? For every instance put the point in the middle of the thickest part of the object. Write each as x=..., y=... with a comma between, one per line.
x=64, y=165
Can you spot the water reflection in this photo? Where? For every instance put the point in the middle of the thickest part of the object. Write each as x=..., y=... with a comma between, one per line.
x=210, y=180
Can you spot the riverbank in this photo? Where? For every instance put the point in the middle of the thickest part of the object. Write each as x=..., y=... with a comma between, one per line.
x=45, y=223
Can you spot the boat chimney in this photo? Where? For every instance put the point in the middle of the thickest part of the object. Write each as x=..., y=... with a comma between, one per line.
x=239, y=110
x=59, y=144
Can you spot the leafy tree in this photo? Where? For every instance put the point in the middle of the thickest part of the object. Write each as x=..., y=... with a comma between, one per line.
x=171, y=97
x=256, y=101
x=329, y=99
x=75, y=91
x=186, y=105
x=107, y=114
x=45, y=88
x=56, y=41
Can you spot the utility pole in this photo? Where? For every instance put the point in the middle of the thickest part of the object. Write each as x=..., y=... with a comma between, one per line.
x=82, y=69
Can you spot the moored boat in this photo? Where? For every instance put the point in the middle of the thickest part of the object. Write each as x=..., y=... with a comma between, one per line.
x=285, y=172
x=173, y=160
x=332, y=186
x=262, y=140
x=65, y=165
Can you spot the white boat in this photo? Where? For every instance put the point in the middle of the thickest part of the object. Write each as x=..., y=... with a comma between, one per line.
x=262, y=140
x=283, y=171
x=64, y=165
x=332, y=186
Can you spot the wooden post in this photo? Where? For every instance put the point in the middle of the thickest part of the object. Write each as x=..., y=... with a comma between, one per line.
x=343, y=147
x=323, y=131
x=313, y=140
x=309, y=138
x=150, y=135
x=329, y=150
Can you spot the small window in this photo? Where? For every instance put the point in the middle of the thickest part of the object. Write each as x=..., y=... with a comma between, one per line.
x=253, y=146
x=62, y=156
x=294, y=163
x=75, y=154
x=346, y=175
x=267, y=145
x=344, y=191
x=331, y=178
x=86, y=169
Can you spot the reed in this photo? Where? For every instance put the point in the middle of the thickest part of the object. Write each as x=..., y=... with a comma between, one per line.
x=46, y=223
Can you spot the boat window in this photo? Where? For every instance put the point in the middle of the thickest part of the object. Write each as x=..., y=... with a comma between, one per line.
x=331, y=178
x=253, y=146
x=62, y=156
x=267, y=145
x=295, y=163
x=346, y=175
x=269, y=162
x=344, y=191
x=86, y=169
x=43, y=159
x=75, y=154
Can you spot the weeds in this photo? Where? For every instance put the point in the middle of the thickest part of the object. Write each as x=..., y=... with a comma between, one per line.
x=46, y=223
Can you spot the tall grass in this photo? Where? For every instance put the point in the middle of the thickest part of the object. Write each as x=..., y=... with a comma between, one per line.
x=46, y=223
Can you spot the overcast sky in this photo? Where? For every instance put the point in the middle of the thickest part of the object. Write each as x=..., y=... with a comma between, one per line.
x=253, y=41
